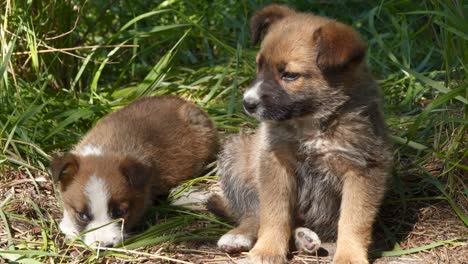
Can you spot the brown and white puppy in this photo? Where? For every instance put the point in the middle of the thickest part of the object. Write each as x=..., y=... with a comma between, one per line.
x=320, y=155
x=130, y=157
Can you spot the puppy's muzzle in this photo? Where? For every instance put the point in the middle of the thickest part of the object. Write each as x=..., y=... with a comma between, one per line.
x=252, y=97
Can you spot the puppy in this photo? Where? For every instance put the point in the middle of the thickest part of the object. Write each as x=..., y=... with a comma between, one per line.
x=130, y=157
x=320, y=155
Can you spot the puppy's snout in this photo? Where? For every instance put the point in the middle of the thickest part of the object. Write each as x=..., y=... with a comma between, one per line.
x=250, y=105
x=252, y=97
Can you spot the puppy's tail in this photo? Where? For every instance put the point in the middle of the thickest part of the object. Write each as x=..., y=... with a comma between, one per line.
x=218, y=206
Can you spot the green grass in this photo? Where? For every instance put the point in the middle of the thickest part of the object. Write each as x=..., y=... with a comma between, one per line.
x=65, y=64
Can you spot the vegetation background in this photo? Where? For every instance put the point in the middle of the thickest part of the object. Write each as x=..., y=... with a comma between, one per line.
x=66, y=63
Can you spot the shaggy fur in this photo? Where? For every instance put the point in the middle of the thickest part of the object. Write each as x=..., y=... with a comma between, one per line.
x=320, y=157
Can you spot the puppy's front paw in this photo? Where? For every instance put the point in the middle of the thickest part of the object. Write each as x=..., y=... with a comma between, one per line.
x=266, y=256
x=235, y=243
x=306, y=240
x=349, y=258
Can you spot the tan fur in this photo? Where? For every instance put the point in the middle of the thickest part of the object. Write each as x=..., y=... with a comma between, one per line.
x=320, y=156
x=146, y=148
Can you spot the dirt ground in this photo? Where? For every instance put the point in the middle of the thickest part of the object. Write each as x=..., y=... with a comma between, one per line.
x=421, y=223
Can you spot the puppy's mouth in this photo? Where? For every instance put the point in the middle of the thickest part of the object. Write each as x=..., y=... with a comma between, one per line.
x=265, y=112
x=270, y=102
x=262, y=112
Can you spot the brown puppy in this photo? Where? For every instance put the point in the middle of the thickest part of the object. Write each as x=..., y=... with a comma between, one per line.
x=130, y=157
x=320, y=154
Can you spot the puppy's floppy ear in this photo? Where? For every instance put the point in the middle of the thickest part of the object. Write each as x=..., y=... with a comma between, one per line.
x=338, y=46
x=64, y=169
x=264, y=18
x=136, y=173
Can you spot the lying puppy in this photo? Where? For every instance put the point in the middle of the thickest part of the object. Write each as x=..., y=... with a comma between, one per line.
x=130, y=157
x=320, y=155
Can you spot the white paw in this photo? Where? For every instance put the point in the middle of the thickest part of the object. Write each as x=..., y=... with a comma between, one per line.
x=235, y=243
x=306, y=240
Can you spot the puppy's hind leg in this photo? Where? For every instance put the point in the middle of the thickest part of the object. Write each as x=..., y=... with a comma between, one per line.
x=240, y=194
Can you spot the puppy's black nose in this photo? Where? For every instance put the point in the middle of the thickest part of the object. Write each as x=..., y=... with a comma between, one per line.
x=250, y=105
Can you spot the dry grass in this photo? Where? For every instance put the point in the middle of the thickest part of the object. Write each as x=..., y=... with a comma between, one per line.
x=425, y=223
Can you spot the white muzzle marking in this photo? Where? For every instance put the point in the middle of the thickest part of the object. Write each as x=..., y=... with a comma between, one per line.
x=97, y=193
x=252, y=93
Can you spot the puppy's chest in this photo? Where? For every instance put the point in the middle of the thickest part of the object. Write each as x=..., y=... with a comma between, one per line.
x=320, y=146
x=320, y=155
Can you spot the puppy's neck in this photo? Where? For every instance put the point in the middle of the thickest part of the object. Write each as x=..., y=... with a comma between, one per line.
x=305, y=127
x=291, y=131
x=313, y=124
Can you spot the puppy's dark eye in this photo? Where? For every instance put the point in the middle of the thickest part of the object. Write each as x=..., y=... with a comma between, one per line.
x=82, y=217
x=289, y=76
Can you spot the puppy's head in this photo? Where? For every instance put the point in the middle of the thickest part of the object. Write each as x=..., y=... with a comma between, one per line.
x=98, y=190
x=304, y=64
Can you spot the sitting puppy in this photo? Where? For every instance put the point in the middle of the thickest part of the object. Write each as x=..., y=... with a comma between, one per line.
x=320, y=155
x=130, y=157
